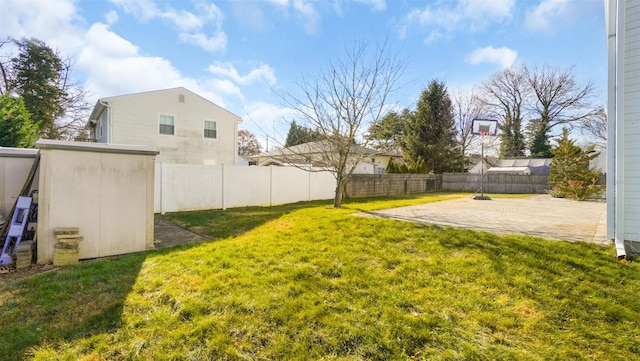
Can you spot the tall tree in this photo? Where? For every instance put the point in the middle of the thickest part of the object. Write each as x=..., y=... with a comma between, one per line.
x=247, y=143
x=346, y=97
x=386, y=133
x=570, y=174
x=37, y=73
x=430, y=135
x=505, y=93
x=556, y=99
x=43, y=80
x=299, y=135
x=16, y=128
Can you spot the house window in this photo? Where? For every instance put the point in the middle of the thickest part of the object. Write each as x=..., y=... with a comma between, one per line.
x=210, y=129
x=167, y=124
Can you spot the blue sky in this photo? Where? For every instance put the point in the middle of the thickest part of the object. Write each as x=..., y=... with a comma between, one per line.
x=238, y=54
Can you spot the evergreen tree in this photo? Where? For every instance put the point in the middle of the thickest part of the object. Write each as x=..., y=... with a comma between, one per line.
x=570, y=175
x=386, y=134
x=391, y=167
x=299, y=135
x=38, y=72
x=430, y=134
x=540, y=146
x=16, y=128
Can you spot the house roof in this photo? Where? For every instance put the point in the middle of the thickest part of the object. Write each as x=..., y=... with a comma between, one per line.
x=319, y=147
x=535, y=165
x=103, y=103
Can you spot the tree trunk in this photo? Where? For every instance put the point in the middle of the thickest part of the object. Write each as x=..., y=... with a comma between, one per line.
x=337, y=200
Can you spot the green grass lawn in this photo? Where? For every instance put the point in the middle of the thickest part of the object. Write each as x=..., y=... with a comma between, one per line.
x=309, y=282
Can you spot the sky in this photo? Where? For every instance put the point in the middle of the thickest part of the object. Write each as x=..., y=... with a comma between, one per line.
x=242, y=54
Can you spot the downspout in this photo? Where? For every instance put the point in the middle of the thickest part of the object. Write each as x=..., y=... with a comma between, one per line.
x=617, y=9
x=108, y=109
x=610, y=19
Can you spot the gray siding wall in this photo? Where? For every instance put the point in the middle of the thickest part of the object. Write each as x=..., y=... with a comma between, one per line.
x=631, y=122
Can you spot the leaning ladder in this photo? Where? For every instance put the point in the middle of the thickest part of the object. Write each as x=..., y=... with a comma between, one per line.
x=16, y=230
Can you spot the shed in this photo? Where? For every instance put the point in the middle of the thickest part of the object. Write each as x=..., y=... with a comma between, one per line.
x=105, y=190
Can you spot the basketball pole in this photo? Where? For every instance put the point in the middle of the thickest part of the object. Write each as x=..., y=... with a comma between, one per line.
x=482, y=196
x=482, y=168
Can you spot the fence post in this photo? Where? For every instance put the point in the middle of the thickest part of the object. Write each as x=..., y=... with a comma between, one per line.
x=222, y=187
x=161, y=190
x=309, y=185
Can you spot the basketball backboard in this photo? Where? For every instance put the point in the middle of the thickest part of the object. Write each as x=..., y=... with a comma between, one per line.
x=484, y=127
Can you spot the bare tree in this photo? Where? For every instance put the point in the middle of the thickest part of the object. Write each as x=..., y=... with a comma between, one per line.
x=467, y=106
x=7, y=72
x=347, y=96
x=595, y=127
x=556, y=99
x=247, y=143
x=505, y=94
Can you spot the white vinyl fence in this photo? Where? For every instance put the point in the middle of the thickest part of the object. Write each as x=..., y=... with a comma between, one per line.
x=185, y=187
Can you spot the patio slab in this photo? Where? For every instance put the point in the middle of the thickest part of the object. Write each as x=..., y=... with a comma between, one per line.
x=540, y=215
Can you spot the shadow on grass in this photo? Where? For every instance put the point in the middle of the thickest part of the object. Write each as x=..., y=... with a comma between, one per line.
x=233, y=222
x=58, y=306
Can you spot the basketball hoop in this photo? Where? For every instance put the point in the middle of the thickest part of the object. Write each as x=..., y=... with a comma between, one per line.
x=483, y=127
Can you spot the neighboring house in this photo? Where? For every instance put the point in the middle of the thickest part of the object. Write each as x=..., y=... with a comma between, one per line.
x=539, y=166
x=320, y=154
x=185, y=127
x=623, y=110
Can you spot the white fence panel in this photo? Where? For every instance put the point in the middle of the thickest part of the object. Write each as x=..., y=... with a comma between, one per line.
x=245, y=186
x=289, y=185
x=185, y=187
x=323, y=185
x=182, y=187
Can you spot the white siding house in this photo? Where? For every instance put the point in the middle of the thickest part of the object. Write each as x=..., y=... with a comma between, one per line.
x=185, y=127
x=623, y=108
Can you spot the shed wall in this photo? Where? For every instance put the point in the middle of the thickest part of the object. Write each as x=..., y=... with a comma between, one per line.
x=107, y=193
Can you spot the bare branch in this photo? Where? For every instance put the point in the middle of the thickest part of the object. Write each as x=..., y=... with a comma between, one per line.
x=343, y=100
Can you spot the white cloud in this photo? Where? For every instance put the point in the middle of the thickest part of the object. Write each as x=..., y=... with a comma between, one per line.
x=110, y=64
x=111, y=17
x=190, y=25
x=55, y=23
x=504, y=56
x=224, y=86
x=548, y=14
x=307, y=15
x=376, y=5
x=142, y=9
x=268, y=119
x=465, y=15
x=217, y=42
x=114, y=66
x=227, y=70
x=280, y=3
